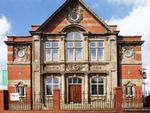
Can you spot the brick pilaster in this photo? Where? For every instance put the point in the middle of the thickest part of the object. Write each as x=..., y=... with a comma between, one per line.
x=118, y=93
x=56, y=100
x=1, y=100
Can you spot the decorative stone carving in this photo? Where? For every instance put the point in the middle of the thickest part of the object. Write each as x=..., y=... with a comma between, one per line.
x=127, y=51
x=75, y=15
x=20, y=53
x=96, y=67
x=52, y=68
x=75, y=67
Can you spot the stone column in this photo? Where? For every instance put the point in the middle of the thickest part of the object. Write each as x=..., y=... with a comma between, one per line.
x=36, y=68
x=113, y=57
x=63, y=87
x=86, y=89
x=62, y=49
x=85, y=48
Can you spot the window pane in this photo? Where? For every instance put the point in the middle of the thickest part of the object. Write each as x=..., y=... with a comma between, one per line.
x=74, y=80
x=70, y=54
x=48, y=90
x=94, y=89
x=78, y=54
x=130, y=92
x=77, y=35
x=100, y=44
x=100, y=53
x=18, y=90
x=126, y=91
x=70, y=36
x=55, y=80
x=100, y=80
x=78, y=44
x=100, y=90
x=49, y=80
x=79, y=80
x=48, y=55
x=48, y=44
x=55, y=44
x=70, y=44
x=21, y=91
x=93, y=54
x=70, y=80
x=55, y=54
x=93, y=44
x=94, y=80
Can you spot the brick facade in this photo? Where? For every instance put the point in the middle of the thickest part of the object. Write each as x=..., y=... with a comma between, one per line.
x=121, y=65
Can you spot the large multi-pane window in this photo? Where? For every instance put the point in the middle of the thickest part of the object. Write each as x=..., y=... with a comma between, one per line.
x=50, y=84
x=97, y=85
x=51, y=51
x=74, y=46
x=96, y=50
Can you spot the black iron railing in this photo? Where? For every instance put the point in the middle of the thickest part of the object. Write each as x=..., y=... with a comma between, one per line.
x=77, y=102
x=24, y=103
x=137, y=100
x=95, y=102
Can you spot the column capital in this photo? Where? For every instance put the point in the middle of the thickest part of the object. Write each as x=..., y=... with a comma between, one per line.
x=36, y=37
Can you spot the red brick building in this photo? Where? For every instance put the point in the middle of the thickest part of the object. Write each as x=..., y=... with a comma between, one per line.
x=76, y=51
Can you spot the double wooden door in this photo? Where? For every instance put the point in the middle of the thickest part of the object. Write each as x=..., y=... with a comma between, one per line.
x=75, y=91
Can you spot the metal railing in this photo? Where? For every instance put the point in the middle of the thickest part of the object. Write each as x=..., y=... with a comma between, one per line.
x=137, y=100
x=25, y=103
x=105, y=102
x=91, y=103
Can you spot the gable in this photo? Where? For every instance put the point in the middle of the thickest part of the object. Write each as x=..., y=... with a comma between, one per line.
x=59, y=20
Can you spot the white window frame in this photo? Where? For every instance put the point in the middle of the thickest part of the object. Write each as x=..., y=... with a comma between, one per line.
x=97, y=50
x=97, y=84
x=18, y=91
x=52, y=84
x=128, y=91
x=51, y=48
x=74, y=47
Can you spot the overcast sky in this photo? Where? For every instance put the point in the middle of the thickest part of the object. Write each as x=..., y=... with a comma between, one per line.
x=131, y=16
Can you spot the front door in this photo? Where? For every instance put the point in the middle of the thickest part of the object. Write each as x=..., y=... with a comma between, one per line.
x=75, y=90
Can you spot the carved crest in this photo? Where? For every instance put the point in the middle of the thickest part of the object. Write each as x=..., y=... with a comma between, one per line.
x=75, y=15
x=74, y=67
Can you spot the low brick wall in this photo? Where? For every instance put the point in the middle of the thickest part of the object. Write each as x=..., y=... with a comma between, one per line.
x=58, y=112
x=136, y=110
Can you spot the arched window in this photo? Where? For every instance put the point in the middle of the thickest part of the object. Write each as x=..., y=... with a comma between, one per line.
x=129, y=89
x=74, y=46
x=97, y=85
x=21, y=89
